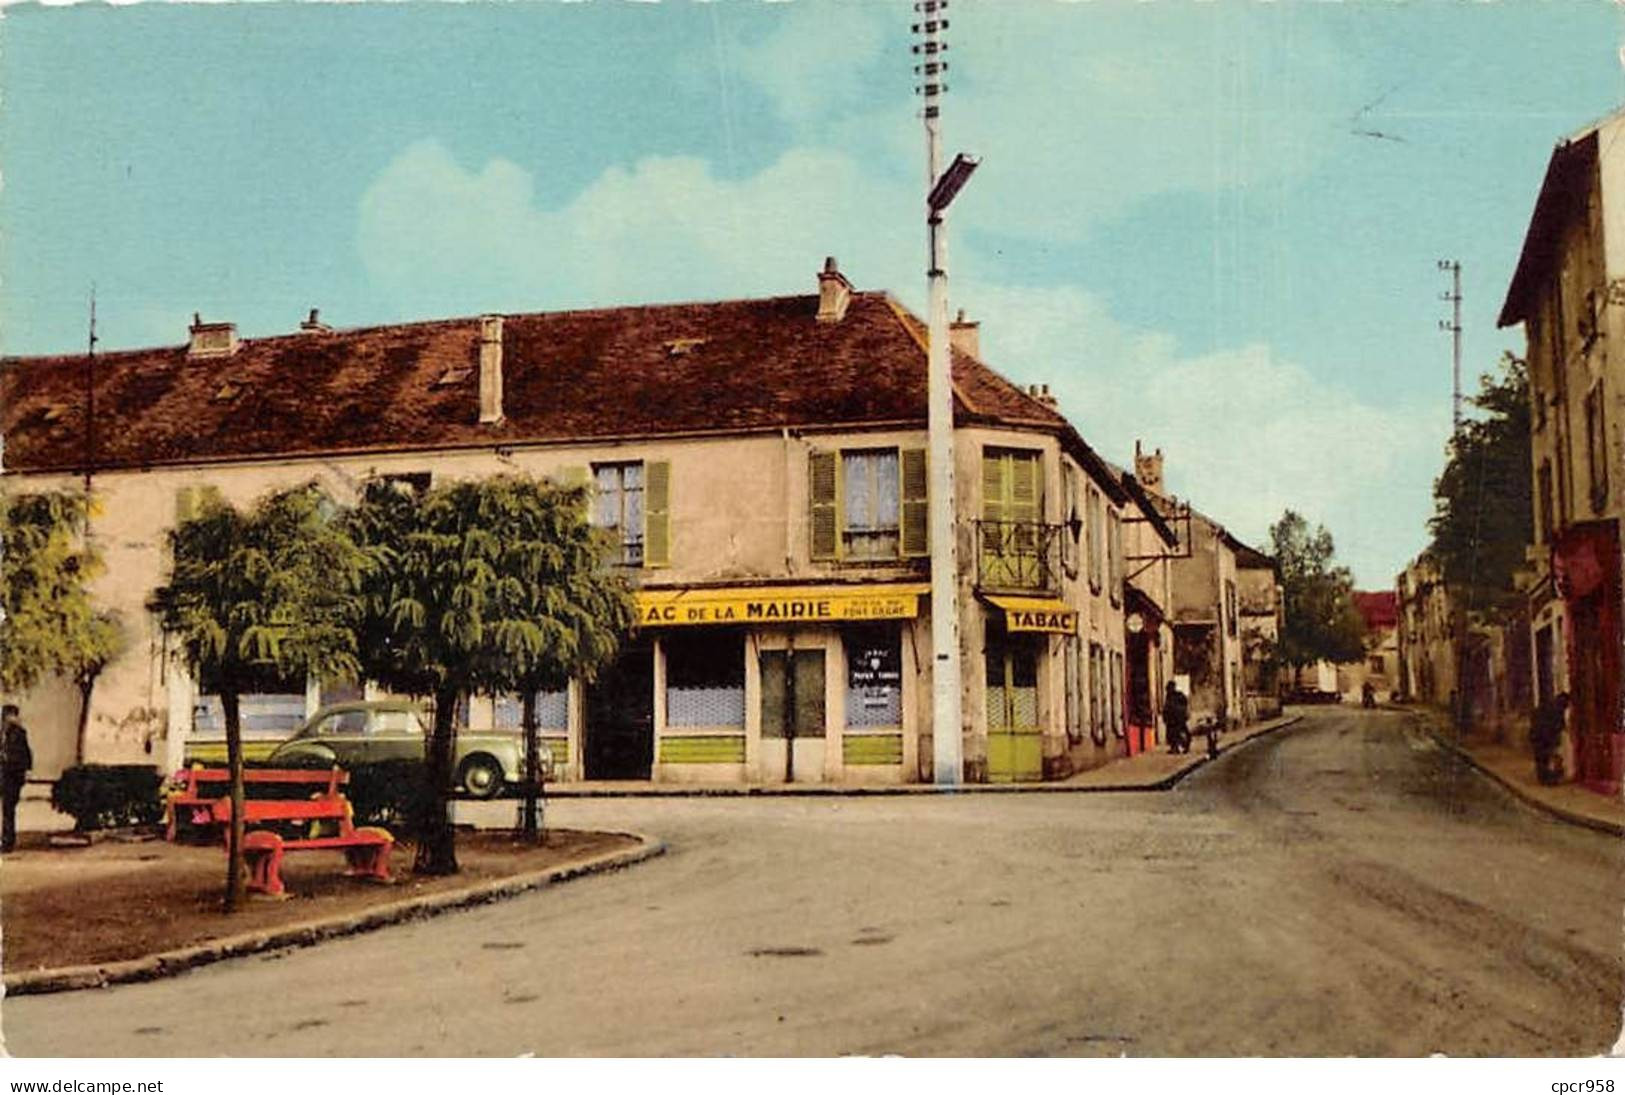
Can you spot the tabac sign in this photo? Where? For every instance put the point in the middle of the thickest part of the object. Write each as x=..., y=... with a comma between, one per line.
x=783, y=605
x=1038, y=614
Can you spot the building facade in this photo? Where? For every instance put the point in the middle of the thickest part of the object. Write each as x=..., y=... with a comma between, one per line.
x=759, y=468
x=1566, y=293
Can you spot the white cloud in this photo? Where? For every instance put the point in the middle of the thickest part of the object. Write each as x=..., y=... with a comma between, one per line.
x=1244, y=433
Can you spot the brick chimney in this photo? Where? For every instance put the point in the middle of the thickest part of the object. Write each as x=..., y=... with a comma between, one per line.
x=211, y=339
x=313, y=325
x=834, y=293
x=1148, y=469
x=965, y=335
x=490, y=369
x=1041, y=393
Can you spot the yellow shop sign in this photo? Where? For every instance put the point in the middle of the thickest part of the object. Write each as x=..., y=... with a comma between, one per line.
x=1038, y=614
x=783, y=605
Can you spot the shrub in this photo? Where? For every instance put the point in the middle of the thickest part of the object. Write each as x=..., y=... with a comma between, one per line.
x=391, y=793
x=106, y=796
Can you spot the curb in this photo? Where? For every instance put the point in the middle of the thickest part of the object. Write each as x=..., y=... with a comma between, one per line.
x=169, y=963
x=1060, y=787
x=1522, y=794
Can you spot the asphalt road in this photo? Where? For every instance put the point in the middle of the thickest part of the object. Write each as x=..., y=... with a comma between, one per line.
x=1341, y=887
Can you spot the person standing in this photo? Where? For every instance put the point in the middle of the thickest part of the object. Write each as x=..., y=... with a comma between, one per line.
x=16, y=758
x=1176, y=719
x=1545, y=731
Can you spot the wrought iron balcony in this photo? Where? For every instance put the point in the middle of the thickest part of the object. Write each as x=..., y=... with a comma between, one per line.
x=1019, y=555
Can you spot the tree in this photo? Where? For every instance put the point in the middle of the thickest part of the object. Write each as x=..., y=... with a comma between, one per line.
x=258, y=597
x=489, y=586
x=1321, y=621
x=1483, y=506
x=50, y=623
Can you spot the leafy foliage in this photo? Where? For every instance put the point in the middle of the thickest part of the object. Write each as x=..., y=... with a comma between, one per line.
x=493, y=586
x=1483, y=505
x=50, y=624
x=106, y=796
x=1321, y=621
x=257, y=597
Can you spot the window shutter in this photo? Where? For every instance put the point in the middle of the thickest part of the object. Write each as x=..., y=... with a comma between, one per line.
x=824, y=517
x=1024, y=488
x=186, y=504
x=993, y=486
x=916, y=496
x=657, y=513
x=575, y=476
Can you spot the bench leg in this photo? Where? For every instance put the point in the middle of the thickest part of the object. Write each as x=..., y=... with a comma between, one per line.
x=371, y=860
x=262, y=851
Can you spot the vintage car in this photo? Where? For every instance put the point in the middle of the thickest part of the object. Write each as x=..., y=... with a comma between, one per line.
x=348, y=734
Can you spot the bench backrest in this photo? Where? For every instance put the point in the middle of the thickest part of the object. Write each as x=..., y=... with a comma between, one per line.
x=331, y=806
x=330, y=778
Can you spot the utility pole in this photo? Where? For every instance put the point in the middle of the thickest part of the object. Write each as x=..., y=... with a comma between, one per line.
x=947, y=726
x=1453, y=325
x=90, y=405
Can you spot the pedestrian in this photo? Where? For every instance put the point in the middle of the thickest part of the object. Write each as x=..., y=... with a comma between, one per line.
x=15, y=761
x=1545, y=731
x=1176, y=713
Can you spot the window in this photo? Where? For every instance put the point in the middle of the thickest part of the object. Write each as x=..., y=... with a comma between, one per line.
x=552, y=711
x=705, y=679
x=1376, y=665
x=1012, y=510
x=868, y=504
x=1114, y=550
x=619, y=507
x=1097, y=539
x=808, y=681
x=874, y=677
x=869, y=487
x=1597, y=447
x=1544, y=514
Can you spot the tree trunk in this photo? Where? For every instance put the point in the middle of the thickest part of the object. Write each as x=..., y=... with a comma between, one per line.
x=530, y=821
x=437, y=844
x=236, y=877
x=87, y=685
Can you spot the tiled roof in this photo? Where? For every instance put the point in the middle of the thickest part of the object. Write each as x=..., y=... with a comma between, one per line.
x=1380, y=609
x=619, y=372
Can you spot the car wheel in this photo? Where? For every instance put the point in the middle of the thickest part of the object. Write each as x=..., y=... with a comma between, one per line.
x=480, y=776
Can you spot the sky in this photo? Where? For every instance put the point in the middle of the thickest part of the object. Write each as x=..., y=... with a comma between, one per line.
x=1210, y=227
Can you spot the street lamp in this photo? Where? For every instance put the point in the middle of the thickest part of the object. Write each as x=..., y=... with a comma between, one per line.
x=947, y=724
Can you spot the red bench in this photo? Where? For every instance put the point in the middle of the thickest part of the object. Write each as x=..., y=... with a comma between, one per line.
x=190, y=795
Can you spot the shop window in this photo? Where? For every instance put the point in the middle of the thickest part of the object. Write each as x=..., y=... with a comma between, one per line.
x=552, y=711
x=802, y=670
x=705, y=679
x=874, y=677
x=1012, y=679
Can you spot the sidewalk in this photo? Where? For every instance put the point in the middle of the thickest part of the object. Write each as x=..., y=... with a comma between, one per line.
x=1154, y=771
x=1514, y=769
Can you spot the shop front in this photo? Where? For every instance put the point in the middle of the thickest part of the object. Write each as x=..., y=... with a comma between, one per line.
x=1015, y=650
x=1586, y=560
x=773, y=684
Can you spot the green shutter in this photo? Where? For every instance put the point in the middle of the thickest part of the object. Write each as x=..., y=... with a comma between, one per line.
x=994, y=466
x=657, y=513
x=575, y=476
x=1024, y=487
x=916, y=503
x=186, y=504
x=824, y=515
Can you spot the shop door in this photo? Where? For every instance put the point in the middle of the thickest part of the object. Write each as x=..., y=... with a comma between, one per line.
x=1015, y=751
x=620, y=716
x=793, y=715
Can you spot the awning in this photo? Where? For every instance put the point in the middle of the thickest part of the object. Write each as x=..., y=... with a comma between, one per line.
x=1038, y=614
x=778, y=604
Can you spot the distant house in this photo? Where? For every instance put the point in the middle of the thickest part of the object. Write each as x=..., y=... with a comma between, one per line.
x=759, y=467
